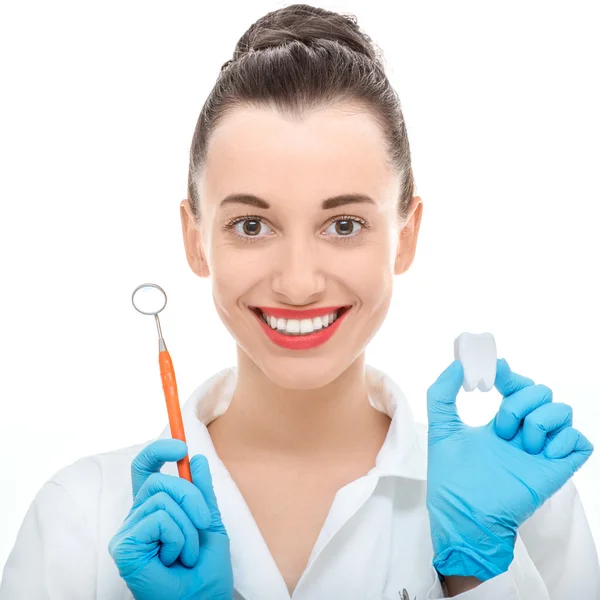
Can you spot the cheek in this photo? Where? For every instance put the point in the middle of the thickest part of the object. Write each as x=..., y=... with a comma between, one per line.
x=371, y=269
x=372, y=279
x=233, y=272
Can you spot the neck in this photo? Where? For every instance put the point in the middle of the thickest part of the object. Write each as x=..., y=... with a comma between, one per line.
x=332, y=422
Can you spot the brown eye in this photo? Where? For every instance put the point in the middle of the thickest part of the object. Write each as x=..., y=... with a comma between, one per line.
x=248, y=228
x=251, y=227
x=344, y=227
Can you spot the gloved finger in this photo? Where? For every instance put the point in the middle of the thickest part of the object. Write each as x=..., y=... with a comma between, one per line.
x=517, y=406
x=544, y=420
x=507, y=382
x=202, y=478
x=185, y=493
x=441, y=395
x=571, y=446
x=162, y=501
x=153, y=457
x=138, y=546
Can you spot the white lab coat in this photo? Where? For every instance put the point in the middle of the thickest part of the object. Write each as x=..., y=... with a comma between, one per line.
x=374, y=544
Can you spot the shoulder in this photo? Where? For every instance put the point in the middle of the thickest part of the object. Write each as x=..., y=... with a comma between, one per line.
x=89, y=471
x=95, y=478
x=66, y=530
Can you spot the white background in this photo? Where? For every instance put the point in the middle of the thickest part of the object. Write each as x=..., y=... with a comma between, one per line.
x=99, y=104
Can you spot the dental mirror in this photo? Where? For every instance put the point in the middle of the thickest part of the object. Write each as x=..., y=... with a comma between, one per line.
x=150, y=299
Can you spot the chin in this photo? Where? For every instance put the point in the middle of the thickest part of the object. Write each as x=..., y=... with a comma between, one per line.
x=293, y=374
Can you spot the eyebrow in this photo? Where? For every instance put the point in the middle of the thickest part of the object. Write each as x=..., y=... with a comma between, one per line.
x=327, y=204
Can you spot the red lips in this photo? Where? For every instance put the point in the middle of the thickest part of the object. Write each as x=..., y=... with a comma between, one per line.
x=303, y=341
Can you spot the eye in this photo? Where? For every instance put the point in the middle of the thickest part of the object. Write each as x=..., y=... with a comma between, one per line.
x=346, y=226
x=248, y=227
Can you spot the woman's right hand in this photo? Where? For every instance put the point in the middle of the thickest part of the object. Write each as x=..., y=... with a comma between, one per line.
x=173, y=544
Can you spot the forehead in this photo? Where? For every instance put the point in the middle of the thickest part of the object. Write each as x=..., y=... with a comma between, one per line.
x=258, y=150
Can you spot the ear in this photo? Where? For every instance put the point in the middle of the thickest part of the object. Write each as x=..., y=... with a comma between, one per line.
x=192, y=240
x=407, y=242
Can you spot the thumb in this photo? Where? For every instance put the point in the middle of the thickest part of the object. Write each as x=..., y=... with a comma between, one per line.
x=202, y=479
x=151, y=459
x=441, y=396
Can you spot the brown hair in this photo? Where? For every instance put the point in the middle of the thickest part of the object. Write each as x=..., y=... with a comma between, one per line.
x=300, y=58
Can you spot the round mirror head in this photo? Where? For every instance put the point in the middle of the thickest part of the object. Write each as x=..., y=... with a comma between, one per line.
x=149, y=298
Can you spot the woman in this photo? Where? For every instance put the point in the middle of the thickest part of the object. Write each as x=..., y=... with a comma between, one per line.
x=310, y=478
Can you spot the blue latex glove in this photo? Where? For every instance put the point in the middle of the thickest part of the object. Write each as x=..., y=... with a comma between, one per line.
x=173, y=544
x=484, y=482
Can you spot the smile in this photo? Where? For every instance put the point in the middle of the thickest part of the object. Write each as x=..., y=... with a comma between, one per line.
x=300, y=330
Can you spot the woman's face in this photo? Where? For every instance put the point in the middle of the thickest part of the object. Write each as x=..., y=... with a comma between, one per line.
x=290, y=246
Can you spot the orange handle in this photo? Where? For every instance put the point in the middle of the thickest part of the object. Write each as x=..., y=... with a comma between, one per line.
x=167, y=374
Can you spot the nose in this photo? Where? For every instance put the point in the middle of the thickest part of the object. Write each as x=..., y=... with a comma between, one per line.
x=298, y=276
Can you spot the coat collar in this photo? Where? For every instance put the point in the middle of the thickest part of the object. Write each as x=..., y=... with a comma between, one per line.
x=403, y=453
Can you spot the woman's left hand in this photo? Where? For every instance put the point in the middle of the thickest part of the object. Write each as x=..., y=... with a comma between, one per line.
x=484, y=482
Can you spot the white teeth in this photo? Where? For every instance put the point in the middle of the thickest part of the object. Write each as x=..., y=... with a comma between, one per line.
x=300, y=326
x=306, y=326
x=292, y=326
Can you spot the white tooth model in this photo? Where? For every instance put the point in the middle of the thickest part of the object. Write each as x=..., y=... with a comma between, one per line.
x=477, y=353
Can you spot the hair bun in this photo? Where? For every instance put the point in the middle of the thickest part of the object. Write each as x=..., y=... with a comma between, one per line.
x=306, y=24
